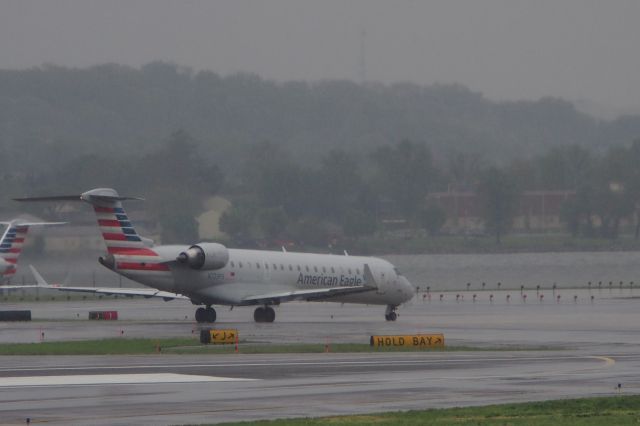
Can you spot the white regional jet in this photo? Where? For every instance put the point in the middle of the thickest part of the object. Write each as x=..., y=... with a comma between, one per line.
x=211, y=274
x=11, y=244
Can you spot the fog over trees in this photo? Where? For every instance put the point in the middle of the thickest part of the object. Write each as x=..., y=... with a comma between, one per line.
x=303, y=160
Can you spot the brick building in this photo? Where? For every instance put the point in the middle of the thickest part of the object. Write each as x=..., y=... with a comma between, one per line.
x=536, y=210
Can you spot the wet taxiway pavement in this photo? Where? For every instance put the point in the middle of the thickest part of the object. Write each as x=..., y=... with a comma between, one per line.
x=595, y=345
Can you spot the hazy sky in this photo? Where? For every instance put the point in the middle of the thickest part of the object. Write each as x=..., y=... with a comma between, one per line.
x=507, y=49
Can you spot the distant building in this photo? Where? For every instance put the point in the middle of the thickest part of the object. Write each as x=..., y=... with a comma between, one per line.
x=536, y=210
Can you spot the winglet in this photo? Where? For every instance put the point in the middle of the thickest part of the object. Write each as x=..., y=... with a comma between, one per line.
x=41, y=281
x=369, y=281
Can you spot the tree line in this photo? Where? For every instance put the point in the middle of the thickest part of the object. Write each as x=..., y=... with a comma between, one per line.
x=307, y=161
x=51, y=114
x=342, y=196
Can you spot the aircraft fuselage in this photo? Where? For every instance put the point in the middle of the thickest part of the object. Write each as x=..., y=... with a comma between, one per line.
x=259, y=271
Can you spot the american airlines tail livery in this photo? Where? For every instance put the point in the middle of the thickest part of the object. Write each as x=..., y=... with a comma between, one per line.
x=11, y=244
x=211, y=274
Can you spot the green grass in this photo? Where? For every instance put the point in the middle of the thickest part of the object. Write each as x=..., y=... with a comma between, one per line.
x=115, y=346
x=610, y=411
x=126, y=346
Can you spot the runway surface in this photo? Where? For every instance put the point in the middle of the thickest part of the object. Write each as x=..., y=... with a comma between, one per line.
x=593, y=346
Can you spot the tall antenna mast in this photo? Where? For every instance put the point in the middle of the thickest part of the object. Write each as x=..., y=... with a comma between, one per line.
x=363, y=64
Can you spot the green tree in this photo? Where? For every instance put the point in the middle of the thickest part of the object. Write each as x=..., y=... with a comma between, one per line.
x=359, y=223
x=237, y=222
x=272, y=221
x=178, y=227
x=631, y=179
x=499, y=196
x=338, y=184
x=433, y=219
x=405, y=174
x=309, y=231
x=564, y=168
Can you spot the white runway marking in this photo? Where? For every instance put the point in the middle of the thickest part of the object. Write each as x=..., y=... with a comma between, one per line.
x=327, y=363
x=110, y=379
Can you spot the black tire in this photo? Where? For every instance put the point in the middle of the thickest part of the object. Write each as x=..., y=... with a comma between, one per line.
x=210, y=315
x=270, y=315
x=259, y=315
x=201, y=315
x=393, y=316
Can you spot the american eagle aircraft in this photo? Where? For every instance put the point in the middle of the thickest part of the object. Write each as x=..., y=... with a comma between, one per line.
x=211, y=274
x=11, y=244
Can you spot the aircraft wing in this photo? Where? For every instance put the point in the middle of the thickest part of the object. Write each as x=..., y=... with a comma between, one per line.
x=315, y=293
x=18, y=286
x=109, y=291
x=308, y=295
x=116, y=291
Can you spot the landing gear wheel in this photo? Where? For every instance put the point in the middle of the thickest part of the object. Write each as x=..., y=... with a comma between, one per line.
x=260, y=314
x=390, y=313
x=201, y=315
x=210, y=314
x=270, y=314
x=264, y=314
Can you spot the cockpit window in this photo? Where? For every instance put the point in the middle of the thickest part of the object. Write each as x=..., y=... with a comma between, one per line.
x=397, y=271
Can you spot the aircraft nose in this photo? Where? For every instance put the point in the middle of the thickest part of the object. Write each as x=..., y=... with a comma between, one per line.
x=409, y=290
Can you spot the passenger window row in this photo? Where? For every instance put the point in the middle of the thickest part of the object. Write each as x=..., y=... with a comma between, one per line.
x=298, y=268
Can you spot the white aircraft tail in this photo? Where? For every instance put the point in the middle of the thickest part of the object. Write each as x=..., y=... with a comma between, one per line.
x=117, y=231
x=12, y=242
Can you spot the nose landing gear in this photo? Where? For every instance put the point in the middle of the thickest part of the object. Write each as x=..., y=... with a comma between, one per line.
x=264, y=314
x=390, y=313
x=207, y=314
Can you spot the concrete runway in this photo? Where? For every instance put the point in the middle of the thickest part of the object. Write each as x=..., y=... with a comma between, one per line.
x=594, y=346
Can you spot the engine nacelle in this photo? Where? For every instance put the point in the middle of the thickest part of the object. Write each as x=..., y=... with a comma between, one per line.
x=205, y=256
x=108, y=261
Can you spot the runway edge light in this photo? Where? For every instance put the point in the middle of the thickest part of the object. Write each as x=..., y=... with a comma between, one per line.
x=413, y=340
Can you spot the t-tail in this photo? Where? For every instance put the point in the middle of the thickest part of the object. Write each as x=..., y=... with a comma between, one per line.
x=127, y=251
x=12, y=242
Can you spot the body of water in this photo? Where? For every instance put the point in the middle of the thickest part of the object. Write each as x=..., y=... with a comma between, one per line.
x=454, y=271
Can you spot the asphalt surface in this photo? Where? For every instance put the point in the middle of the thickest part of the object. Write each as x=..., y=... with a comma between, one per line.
x=583, y=347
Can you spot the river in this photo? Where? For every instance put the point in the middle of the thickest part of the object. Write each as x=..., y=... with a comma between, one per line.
x=454, y=271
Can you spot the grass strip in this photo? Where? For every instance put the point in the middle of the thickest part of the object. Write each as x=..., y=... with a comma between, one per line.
x=132, y=346
x=115, y=346
x=610, y=411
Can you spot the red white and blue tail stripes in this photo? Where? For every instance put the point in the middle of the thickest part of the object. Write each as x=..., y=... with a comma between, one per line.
x=124, y=243
x=11, y=246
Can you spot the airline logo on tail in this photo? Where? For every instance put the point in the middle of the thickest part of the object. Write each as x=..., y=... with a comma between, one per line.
x=12, y=242
x=117, y=231
x=130, y=252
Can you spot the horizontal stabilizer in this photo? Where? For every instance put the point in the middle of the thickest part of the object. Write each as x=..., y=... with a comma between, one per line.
x=98, y=195
x=54, y=198
x=18, y=223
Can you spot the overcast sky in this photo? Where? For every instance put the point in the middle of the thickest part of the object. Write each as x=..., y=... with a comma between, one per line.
x=506, y=49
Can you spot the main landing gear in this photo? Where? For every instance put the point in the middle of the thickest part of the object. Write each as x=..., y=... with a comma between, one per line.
x=264, y=314
x=207, y=314
x=390, y=313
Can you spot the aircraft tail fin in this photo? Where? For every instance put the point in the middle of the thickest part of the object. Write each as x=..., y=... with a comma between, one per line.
x=119, y=234
x=12, y=242
x=117, y=231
